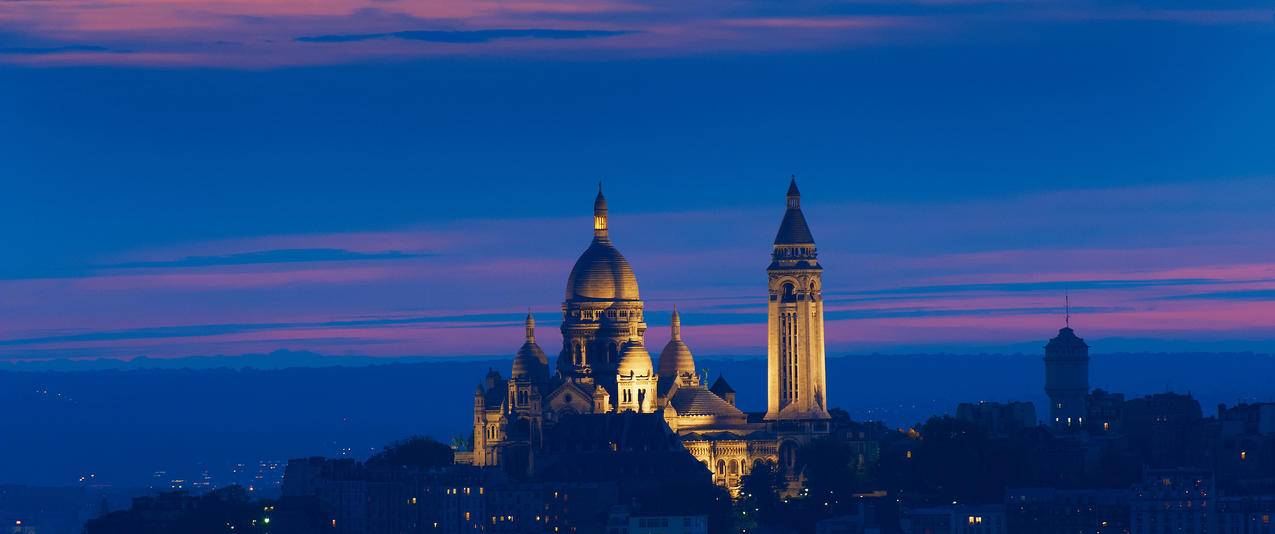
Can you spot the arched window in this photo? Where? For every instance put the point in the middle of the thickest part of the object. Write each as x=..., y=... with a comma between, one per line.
x=721, y=467
x=734, y=467
x=789, y=292
x=788, y=456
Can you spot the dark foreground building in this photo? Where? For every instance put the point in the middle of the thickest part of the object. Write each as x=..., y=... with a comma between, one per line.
x=593, y=471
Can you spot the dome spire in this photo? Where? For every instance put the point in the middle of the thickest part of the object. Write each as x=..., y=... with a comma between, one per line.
x=794, y=195
x=600, y=215
x=531, y=327
x=676, y=324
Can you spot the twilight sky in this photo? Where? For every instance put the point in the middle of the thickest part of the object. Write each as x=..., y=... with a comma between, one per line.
x=394, y=178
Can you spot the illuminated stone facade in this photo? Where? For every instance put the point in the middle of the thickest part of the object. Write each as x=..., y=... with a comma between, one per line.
x=605, y=367
x=797, y=388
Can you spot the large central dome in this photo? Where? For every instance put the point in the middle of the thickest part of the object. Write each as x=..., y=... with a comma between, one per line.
x=601, y=273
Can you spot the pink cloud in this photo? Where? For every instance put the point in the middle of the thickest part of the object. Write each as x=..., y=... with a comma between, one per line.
x=262, y=33
x=708, y=262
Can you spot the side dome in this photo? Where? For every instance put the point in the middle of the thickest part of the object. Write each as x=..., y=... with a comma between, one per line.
x=530, y=361
x=602, y=273
x=676, y=359
x=634, y=359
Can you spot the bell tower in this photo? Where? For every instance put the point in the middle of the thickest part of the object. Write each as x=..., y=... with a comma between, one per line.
x=796, y=383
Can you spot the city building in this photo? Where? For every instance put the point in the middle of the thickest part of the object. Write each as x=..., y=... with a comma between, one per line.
x=1067, y=378
x=1173, y=500
x=955, y=519
x=1065, y=511
x=1167, y=429
x=604, y=366
x=998, y=418
x=623, y=521
x=1249, y=514
x=1103, y=411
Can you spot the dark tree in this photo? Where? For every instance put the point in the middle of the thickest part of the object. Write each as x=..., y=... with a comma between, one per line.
x=759, y=502
x=416, y=451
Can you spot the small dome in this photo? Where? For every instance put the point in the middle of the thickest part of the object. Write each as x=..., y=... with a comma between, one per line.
x=602, y=273
x=676, y=359
x=634, y=359
x=530, y=361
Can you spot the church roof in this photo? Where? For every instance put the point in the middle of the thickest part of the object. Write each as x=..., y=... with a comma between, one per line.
x=720, y=387
x=695, y=400
x=793, y=230
x=727, y=436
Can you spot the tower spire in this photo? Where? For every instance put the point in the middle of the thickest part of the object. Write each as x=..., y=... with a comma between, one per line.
x=676, y=324
x=794, y=195
x=1067, y=307
x=600, y=215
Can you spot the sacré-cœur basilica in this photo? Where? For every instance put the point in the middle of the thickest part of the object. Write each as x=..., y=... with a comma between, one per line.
x=604, y=367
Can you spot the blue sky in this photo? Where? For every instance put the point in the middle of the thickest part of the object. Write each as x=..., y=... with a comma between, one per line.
x=272, y=179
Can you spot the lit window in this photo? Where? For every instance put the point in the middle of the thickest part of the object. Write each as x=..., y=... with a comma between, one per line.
x=1243, y=455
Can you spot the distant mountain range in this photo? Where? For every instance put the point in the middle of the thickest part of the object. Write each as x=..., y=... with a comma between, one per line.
x=127, y=420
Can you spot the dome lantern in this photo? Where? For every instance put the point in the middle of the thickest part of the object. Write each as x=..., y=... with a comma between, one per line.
x=600, y=215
